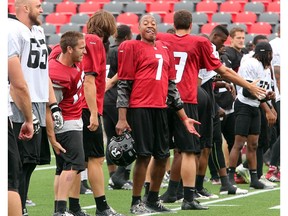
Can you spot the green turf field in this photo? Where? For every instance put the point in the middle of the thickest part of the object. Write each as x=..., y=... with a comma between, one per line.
x=256, y=202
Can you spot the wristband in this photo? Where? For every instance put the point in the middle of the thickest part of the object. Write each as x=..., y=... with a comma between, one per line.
x=54, y=107
x=184, y=118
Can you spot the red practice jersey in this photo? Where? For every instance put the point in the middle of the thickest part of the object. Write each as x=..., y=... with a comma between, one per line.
x=95, y=61
x=149, y=67
x=191, y=53
x=70, y=80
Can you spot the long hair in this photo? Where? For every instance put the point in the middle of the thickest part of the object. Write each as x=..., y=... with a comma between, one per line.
x=103, y=24
x=264, y=57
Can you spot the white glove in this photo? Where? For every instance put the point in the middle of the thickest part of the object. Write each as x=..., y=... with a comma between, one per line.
x=36, y=124
x=57, y=116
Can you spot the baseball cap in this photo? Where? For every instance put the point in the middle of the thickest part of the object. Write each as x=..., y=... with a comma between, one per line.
x=262, y=47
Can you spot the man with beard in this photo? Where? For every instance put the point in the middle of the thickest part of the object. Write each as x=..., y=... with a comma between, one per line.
x=146, y=73
x=27, y=43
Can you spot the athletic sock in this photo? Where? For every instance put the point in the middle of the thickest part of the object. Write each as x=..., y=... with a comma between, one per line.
x=189, y=193
x=74, y=204
x=101, y=203
x=199, y=182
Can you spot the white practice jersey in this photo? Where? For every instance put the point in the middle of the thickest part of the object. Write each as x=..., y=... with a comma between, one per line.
x=251, y=70
x=276, y=44
x=31, y=48
x=205, y=75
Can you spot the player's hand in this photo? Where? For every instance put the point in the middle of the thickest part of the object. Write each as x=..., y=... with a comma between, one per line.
x=57, y=147
x=270, y=95
x=26, y=131
x=94, y=123
x=121, y=126
x=258, y=92
x=271, y=118
x=189, y=124
x=57, y=116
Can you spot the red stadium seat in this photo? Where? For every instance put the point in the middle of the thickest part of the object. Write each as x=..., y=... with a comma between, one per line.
x=101, y=2
x=260, y=28
x=161, y=8
x=148, y=3
x=127, y=18
x=169, y=18
x=242, y=2
x=231, y=7
x=89, y=7
x=57, y=19
x=207, y=28
x=135, y=28
x=208, y=7
x=273, y=7
x=247, y=18
x=67, y=8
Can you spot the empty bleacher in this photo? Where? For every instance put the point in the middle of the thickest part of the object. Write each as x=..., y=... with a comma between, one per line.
x=255, y=16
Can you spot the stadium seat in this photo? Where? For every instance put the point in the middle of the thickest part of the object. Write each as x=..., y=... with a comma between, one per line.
x=163, y=27
x=248, y=18
x=222, y=18
x=169, y=18
x=199, y=18
x=68, y=8
x=195, y=29
x=188, y=5
x=135, y=29
x=160, y=7
x=274, y=7
x=256, y=7
x=231, y=7
x=79, y=19
x=242, y=2
x=84, y=29
x=127, y=18
x=260, y=28
x=89, y=7
x=272, y=36
x=53, y=39
x=48, y=7
x=265, y=2
x=69, y=27
x=100, y=2
x=207, y=28
x=208, y=7
x=57, y=19
x=233, y=25
x=270, y=17
x=114, y=7
x=157, y=17
x=148, y=3
x=49, y=29
x=249, y=38
x=11, y=9
x=78, y=2
x=138, y=8
x=55, y=2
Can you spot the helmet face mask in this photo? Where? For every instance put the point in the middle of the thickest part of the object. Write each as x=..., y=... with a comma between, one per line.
x=121, y=150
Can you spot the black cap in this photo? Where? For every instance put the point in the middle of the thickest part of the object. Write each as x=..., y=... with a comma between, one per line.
x=263, y=47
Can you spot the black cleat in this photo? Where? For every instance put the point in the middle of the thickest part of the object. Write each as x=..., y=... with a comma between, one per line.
x=194, y=205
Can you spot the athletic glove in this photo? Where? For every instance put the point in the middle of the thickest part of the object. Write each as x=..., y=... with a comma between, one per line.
x=36, y=124
x=57, y=116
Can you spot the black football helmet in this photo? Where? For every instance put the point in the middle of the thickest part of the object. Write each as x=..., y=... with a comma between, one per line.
x=120, y=149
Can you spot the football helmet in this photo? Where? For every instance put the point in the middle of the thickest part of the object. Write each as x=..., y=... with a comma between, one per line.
x=120, y=149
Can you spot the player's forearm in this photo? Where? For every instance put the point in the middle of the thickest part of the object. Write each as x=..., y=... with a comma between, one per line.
x=232, y=76
x=50, y=126
x=18, y=86
x=90, y=92
x=52, y=98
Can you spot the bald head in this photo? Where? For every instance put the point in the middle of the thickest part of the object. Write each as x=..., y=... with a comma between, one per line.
x=28, y=11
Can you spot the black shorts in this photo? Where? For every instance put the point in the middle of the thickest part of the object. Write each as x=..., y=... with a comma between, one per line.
x=45, y=154
x=185, y=141
x=73, y=159
x=247, y=119
x=14, y=162
x=206, y=118
x=110, y=118
x=92, y=140
x=29, y=150
x=171, y=116
x=150, y=131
